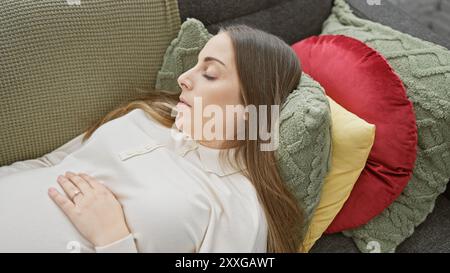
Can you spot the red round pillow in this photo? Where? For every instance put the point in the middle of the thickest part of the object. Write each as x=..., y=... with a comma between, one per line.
x=360, y=79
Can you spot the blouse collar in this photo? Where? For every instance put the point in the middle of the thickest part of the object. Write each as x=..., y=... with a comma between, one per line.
x=209, y=157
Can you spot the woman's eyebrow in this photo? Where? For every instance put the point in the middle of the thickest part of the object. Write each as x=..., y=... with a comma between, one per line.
x=210, y=59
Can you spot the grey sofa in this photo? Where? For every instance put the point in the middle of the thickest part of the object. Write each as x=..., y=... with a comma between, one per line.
x=293, y=20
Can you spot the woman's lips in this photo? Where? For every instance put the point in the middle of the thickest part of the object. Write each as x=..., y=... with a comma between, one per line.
x=183, y=103
x=182, y=100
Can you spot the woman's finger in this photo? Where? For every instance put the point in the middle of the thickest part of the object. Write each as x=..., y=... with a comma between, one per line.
x=95, y=183
x=78, y=181
x=66, y=205
x=69, y=188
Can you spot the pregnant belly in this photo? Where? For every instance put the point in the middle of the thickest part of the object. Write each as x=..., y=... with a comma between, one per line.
x=32, y=222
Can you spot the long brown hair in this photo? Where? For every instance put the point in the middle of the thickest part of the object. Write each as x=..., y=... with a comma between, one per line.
x=268, y=70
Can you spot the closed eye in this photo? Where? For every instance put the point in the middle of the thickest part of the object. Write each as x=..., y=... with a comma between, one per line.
x=209, y=78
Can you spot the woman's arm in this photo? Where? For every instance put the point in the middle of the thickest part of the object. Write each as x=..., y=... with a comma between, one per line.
x=123, y=245
x=94, y=211
x=46, y=160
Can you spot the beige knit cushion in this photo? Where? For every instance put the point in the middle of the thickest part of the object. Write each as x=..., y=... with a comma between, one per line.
x=64, y=66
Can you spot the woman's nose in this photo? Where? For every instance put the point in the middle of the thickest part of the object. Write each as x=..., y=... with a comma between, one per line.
x=184, y=82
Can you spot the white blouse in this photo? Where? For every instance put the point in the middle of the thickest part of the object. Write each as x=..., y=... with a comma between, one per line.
x=175, y=195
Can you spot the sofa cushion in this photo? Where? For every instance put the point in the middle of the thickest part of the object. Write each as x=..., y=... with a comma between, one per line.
x=181, y=54
x=424, y=69
x=64, y=66
x=304, y=152
x=390, y=14
x=278, y=17
x=360, y=79
x=430, y=237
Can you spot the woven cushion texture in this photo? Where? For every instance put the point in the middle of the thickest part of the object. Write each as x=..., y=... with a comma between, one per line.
x=182, y=54
x=304, y=152
x=425, y=71
x=64, y=66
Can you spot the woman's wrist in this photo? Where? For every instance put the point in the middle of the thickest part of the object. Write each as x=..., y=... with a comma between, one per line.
x=111, y=237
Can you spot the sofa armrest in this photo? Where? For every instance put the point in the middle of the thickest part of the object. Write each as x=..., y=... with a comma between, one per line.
x=388, y=14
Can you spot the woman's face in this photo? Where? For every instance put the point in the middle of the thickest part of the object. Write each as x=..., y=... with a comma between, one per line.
x=210, y=85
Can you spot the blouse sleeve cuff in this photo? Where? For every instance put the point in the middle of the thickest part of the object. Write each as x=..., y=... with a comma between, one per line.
x=124, y=245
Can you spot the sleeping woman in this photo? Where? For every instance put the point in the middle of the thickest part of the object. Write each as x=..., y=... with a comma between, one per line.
x=142, y=179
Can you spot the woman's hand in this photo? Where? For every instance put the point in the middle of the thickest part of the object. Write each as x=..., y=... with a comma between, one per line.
x=91, y=207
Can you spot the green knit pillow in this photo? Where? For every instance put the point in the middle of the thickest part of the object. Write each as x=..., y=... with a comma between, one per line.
x=304, y=153
x=424, y=68
x=305, y=136
x=181, y=54
x=63, y=66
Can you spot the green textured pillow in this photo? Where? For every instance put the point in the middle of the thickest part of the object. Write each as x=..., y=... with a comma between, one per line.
x=424, y=68
x=305, y=136
x=182, y=54
x=64, y=66
x=304, y=153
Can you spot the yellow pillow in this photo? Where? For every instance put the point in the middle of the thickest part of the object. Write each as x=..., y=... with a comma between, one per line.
x=352, y=140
